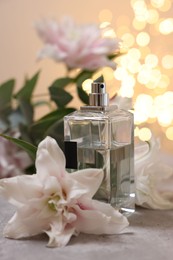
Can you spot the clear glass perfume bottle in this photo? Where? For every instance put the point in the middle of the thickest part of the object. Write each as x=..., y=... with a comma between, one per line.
x=101, y=136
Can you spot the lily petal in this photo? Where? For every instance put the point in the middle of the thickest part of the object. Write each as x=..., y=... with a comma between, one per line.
x=88, y=179
x=59, y=235
x=25, y=223
x=99, y=218
x=50, y=159
x=18, y=190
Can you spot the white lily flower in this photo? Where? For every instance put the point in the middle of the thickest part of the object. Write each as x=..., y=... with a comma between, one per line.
x=154, y=177
x=56, y=202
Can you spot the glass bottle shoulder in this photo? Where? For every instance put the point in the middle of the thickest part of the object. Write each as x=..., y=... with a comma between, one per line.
x=109, y=113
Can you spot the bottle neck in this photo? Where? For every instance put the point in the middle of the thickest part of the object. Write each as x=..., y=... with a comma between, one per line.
x=98, y=99
x=98, y=96
x=99, y=108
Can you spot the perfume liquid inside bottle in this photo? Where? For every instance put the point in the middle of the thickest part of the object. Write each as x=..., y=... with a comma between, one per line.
x=99, y=136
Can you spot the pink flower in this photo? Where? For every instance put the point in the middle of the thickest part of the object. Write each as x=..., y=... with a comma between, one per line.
x=13, y=161
x=79, y=46
x=56, y=202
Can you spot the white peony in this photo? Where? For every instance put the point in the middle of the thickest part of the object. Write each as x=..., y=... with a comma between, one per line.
x=154, y=177
x=78, y=46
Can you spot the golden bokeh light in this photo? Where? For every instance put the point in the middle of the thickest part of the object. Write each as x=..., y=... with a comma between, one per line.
x=132, y=2
x=120, y=73
x=105, y=15
x=126, y=92
x=130, y=62
x=158, y=3
x=168, y=97
x=140, y=10
x=165, y=117
x=164, y=81
x=143, y=39
x=153, y=16
x=138, y=25
x=169, y=133
x=155, y=77
x=153, y=113
x=107, y=73
x=87, y=85
x=128, y=40
x=166, y=6
x=134, y=53
x=136, y=131
x=107, y=30
x=143, y=107
x=129, y=81
x=166, y=26
x=144, y=75
x=144, y=134
x=134, y=66
x=164, y=108
x=167, y=61
x=122, y=30
x=144, y=99
x=145, y=67
x=151, y=60
x=144, y=51
x=105, y=25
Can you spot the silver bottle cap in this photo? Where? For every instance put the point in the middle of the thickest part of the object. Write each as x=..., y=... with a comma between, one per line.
x=98, y=95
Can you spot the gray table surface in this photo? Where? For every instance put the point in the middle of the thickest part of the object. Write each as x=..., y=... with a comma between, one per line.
x=149, y=236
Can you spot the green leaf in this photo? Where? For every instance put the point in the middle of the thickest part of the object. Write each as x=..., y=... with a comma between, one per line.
x=57, y=132
x=82, y=76
x=6, y=91
x=60, y=96
x=27, y=110
x=62, y=82
x=99, y=79
x=39, y=129
x=59, y=113
x=24, y=98
x=26, y=91
x=116, y=55
x=41, y=103
x=29, y=148
x=83, y=95
x=30, y=170
x=24, y=133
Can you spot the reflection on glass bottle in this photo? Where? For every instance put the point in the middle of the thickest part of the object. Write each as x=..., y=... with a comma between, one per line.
x=103, y=138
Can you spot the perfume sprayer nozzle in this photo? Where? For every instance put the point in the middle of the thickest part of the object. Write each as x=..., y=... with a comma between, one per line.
x=98, y=95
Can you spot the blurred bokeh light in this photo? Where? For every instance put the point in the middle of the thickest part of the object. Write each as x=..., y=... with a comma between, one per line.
x=145, y=73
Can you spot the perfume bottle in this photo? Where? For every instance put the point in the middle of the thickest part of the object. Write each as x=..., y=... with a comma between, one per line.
x=102, y=136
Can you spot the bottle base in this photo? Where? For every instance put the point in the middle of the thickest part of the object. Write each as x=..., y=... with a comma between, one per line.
x=127, y=206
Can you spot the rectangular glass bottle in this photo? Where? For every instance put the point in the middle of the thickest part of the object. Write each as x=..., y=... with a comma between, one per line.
x=101, y=136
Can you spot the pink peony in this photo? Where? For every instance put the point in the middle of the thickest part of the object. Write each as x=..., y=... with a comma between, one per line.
x=79, y=46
